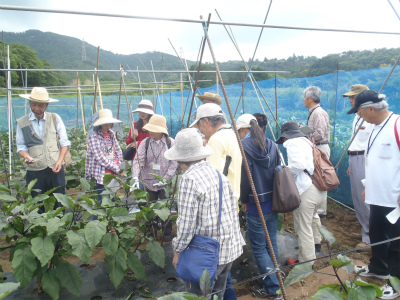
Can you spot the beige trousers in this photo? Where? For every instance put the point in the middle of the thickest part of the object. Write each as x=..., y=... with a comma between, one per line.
x=305, y=218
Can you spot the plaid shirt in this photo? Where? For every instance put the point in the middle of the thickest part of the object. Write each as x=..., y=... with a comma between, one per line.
x=154, y=155
x=318, y=119
x=96, y=157
x=198, y=207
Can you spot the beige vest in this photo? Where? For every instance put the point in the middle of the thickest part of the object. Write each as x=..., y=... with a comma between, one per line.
x=44, y=151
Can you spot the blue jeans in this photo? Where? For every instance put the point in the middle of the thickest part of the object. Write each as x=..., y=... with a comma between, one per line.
x=260, y=249
x=229, y=293
x=99, y=189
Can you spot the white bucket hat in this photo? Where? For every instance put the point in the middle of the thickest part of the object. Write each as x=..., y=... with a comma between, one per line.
x=244, y=121
x=207, y=110
x=145, y=106
x=188, y=147
x=38, y=94
x=106, y=117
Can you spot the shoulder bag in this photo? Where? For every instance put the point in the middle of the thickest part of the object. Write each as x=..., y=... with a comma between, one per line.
x=285, y=195
x=128, y=153
x=67, y=157
x=201, y=253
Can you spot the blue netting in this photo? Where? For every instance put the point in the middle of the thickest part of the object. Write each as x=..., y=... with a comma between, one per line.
x=290, y=95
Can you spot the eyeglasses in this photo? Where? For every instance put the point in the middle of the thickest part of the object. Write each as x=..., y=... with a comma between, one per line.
x=359, y=111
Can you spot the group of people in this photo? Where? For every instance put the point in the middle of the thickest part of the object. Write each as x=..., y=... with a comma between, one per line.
x=210, y=146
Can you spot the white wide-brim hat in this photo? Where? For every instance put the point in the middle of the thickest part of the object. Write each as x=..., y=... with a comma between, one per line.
x=157, y=123
x=106, y=117
x=188, y=147
x=145, y=106
x=38, y=94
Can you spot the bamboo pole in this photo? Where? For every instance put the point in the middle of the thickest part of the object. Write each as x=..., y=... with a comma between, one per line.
x=274, y=260
x=182, y=102
x=82, y=108
x=120, y=90
x=100, y=98
x=77, y=102
x=97, y=80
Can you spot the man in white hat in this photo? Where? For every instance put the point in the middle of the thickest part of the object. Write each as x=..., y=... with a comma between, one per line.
x=198, y=206
x=37, y=143
x=226, y=158
x=356, y=170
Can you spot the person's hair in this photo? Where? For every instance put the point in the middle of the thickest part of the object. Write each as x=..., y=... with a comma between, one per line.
x=257, y=135
x=313, y=92
x=377, y=106
x=214, y=120
x=189, y=163
x=262, y=119
x=139, y=123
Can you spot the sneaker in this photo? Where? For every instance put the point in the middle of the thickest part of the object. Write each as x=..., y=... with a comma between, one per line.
x=365, y=272
x=388, y=292
x=292, y=261
x=363, y=244
x=261, y=293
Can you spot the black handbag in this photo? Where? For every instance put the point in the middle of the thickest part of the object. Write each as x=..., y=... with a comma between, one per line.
x=128, y=153
x=285, y=195
x=201, y=253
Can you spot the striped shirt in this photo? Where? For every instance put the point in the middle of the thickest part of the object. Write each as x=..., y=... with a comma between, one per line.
x=198, y=206
x=153, y=162
x=96, y=156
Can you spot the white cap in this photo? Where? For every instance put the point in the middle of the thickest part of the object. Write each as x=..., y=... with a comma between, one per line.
x=207, y=110
x=244, y=121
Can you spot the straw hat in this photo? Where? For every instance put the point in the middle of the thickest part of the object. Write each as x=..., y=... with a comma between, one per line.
x=145, y=106
x=39, y=94
x=244, y=121
x=157, y=123
x=105, y=117
x=289, y=130
x=188, y=147
x=210, y=96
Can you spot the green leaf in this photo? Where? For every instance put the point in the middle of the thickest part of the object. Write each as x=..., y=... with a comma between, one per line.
x=159, y=178
x=136, y=266
x=116, y=266
x=280, y=222
x=163, y=213
x=107, y=178
x=40, y=197
x=85, y=184
x=327, y=235
x=94, y=232
x=327, y=294
x=4, y=189
x=31, y=184
x=53, y=225
x=181, y=296
x=348, y=267
x=110, y=243
x=85, y=215
x=205, y=283
x=3, y=221
x=64, y=200
x=359, y=282
x=337, y=263
x=333, y=286
x=50, y=284
x=366, y=293
x=8, y=198
x=24, y=265
x=49, y=204
x=352, y=294
x=79, y=245
x=43, y=248
x=156, y=253
x=297, y=273
x=49, y=192
x=97, y=212
x=144, y=292
x=7, y=288
x=120, y=215
x=69, y=277
x=395, y=282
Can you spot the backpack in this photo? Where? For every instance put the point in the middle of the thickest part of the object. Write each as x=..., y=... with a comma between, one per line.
x=324, y=176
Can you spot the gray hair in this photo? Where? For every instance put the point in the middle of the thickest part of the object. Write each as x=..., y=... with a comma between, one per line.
x=215, y=120
x=313, y=92
x=377, y=106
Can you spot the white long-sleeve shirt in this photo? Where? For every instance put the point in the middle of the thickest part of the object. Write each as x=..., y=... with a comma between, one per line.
x=300, y=158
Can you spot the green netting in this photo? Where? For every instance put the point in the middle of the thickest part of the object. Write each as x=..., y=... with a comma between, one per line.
x=290, y=106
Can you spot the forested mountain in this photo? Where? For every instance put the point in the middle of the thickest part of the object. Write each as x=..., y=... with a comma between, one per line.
x=63, y=52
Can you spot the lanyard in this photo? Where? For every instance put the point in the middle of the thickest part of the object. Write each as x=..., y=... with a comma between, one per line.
x=355, y=126
x=156, y=158
x=369, y=140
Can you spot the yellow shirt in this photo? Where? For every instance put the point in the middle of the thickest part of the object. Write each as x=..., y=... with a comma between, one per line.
x=224, y=143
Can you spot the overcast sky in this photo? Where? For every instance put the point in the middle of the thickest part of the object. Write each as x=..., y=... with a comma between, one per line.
x=127, y=36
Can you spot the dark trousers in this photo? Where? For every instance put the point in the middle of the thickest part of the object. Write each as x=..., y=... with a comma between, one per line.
x=385, y=257
x=153, y=197
x=47, y=180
